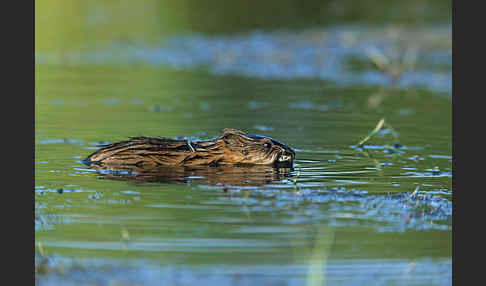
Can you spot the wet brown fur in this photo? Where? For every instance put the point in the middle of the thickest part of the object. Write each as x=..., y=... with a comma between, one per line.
x=233, y=147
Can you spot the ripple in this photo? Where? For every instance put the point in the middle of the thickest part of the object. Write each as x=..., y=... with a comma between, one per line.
x=57, y=141
x=395, y=212
x=337, y=272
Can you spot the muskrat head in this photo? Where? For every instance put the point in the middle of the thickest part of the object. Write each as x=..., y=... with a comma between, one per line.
x=255, y=149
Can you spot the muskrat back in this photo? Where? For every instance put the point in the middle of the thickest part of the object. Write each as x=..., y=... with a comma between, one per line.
x=233, y=147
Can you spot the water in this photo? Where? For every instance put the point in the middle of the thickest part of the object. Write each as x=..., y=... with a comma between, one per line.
x=343, y=215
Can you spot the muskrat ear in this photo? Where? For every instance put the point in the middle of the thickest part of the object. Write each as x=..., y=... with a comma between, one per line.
x=231, y=140
x=233, y=137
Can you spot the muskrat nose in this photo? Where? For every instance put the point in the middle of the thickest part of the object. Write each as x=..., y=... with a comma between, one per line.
x=286, y=156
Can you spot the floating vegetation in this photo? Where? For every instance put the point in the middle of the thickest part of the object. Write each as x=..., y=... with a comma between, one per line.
x=373, y=132
x=390, y=65
x=381, y=123
x=43, y=263
x=417, y=210
x=296, y=177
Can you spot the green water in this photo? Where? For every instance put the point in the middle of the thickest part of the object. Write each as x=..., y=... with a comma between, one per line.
x=332, y=218
x=197, y=224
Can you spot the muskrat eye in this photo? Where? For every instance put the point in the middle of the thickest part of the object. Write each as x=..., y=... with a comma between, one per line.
x=267, y=146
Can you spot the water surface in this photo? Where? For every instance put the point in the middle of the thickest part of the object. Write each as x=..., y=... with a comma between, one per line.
x=343, y=214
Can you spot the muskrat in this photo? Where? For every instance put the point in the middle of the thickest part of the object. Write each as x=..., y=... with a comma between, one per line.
x=233, y=147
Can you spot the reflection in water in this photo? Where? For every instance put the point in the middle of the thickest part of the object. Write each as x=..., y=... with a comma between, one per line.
x=222, y=175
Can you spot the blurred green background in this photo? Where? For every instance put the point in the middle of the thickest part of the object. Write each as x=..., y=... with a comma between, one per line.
x=71, y=24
